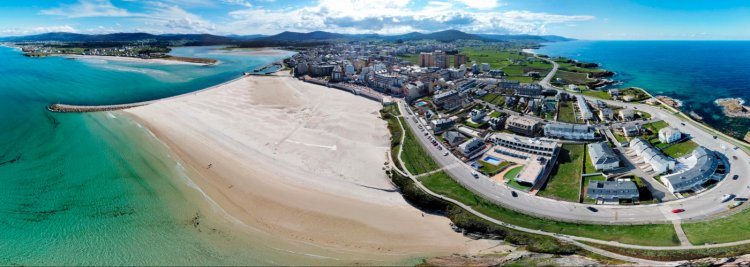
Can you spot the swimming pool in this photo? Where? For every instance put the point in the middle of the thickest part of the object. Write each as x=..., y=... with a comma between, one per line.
x=421, y=104
x=492, y=160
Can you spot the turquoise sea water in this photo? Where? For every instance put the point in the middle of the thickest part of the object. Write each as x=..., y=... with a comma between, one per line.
x=95, y=188
x=695, y=72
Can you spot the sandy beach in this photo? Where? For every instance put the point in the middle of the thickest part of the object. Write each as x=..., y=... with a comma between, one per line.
x=300, y=162
x=132, y=59
x=257, y=51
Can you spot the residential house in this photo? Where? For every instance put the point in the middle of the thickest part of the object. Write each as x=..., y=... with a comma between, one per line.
x=701, y=166
x=669, y=135
x=603, y=157
x=612, y=191
x=441, y=125
x=470, y=147
x=522, y=125
x=453, y=138
x=569, y=131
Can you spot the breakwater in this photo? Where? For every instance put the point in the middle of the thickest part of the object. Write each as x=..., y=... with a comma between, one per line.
x=63, y=108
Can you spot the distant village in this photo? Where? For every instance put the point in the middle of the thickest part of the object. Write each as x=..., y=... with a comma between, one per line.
x=56, y=48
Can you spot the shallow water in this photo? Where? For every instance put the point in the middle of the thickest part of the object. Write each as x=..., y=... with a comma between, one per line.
x=97, y=189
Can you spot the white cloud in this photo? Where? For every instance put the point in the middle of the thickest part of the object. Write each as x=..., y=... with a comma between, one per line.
x=165, y=18
x=36, y=30
x=238, y=2
x=480, y=4
x=345, y=16
x=394, y=16
x=88, y=8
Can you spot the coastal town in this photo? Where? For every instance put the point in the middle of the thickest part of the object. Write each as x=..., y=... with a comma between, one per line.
x=569, y=141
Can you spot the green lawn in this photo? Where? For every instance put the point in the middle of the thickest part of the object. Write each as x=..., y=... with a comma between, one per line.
x=498, y=59
x=596, y=94
x=494, y=99
x=643, y=114
x=413, y=58
x=638, y=94
x=680, y=149
x=522, y=79
x=389, y=113
x=572, y=77
x=510, y=178
x=490, y=169
x=729, y=229
x=566, y=112
x=565, y=180
x=512, y=173
x=443, y=184
x=415, y=158
x=654, y=127
x=495, y=114
x=619, y=137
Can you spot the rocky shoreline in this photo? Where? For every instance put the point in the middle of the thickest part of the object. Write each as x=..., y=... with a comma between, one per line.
x=734, y=107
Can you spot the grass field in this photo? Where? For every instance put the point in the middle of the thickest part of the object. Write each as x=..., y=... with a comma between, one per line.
x=415, y=158
x=572, y=77
x=566, y=112
x=493, y=56
x=443, y=184
x=654, y=127
x=638, y=94
x=490, y=169
x=522, y=79
x=389, y=114
x=597, y=94
x=494, y=99
x=680, y=149
x=565, y=180
x=413, y=58
x=729, y=229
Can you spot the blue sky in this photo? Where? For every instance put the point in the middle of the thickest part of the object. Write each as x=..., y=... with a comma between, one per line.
x=583, y=19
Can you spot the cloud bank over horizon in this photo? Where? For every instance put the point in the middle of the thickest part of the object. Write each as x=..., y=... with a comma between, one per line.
x=244, y=17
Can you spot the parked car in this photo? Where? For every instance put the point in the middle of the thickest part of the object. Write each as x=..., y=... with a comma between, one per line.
x=513, y=193
x=446, y=153
x=735, y=177
x=592, y=209
x=678, y=210
x=727, y=197
x=475, y=174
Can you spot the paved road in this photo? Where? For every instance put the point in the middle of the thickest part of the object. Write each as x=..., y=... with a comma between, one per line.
x=705, y=205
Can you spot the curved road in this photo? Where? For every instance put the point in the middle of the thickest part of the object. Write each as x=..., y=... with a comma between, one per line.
x=704, y=205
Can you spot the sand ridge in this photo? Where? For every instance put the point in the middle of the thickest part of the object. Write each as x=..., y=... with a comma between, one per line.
x=301, y=162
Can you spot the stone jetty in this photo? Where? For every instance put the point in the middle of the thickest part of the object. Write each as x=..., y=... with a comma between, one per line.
x=62, y=108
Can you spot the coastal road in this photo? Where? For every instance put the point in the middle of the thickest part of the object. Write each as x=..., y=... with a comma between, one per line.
x=705, y=205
